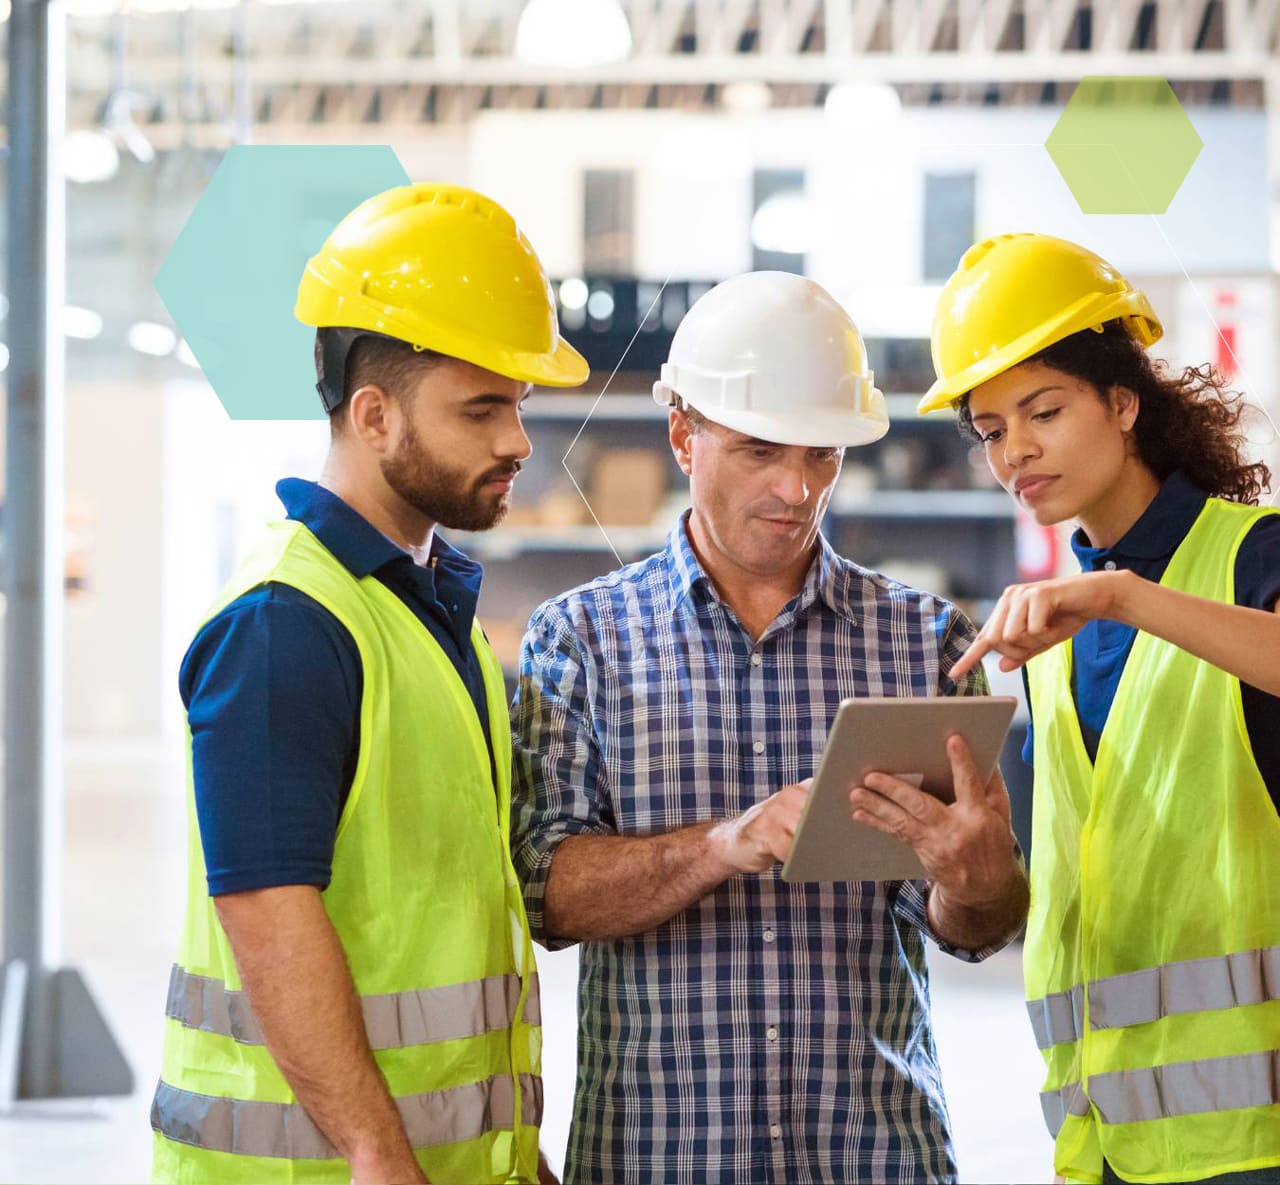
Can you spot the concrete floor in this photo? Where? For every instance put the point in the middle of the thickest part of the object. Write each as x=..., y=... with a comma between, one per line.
x=124, y=872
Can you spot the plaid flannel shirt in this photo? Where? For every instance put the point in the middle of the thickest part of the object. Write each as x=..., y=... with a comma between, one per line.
x=771, y=1032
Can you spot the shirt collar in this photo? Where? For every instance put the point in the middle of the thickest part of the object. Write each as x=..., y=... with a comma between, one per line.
x=354, y=541
x=1159, y=529
x=686, y=574
x=684, y=571
x=830, y=578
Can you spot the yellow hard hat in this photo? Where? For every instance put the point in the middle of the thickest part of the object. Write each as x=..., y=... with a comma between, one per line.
x=445, y=269
x=1015, y=295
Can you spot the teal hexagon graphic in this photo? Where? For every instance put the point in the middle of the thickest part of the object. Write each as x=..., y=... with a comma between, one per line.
x=1124, y=145
x=231, y=277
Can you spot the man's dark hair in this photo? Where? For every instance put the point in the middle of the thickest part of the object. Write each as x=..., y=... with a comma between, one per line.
x=375, y=360
x=697, y=421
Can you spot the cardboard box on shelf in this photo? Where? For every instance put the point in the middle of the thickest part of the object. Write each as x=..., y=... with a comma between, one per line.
x=523, y=514
x=562, y=508
x=628, y=485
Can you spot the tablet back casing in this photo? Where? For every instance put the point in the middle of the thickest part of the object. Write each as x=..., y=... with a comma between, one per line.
x=902, y=736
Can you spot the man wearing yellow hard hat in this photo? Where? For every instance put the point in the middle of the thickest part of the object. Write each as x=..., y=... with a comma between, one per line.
x=354, y=996
x=735, y=1027
x=1153, y=948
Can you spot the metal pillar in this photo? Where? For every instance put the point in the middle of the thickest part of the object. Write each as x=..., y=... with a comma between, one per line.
x=1266, y=387
x=1271, y=93
x=53, y=1040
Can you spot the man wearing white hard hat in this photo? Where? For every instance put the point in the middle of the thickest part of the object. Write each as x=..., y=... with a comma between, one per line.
x=735, y=1027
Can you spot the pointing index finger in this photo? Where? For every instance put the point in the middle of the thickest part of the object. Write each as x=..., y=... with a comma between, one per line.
x=969, y=659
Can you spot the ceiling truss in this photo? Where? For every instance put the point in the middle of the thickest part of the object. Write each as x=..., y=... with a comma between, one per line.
x=210, y=74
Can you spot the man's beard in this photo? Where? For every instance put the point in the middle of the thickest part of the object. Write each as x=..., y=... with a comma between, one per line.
x=447, y=496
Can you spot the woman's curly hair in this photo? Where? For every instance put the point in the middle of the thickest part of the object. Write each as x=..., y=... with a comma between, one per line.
x=1187, y=421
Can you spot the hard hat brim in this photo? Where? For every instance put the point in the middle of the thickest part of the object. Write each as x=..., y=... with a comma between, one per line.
x=830, y=429
x=564, y=367
x=1131, y=308
x=561, y=366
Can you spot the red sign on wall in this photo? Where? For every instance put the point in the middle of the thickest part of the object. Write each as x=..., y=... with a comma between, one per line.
x=1224, y=346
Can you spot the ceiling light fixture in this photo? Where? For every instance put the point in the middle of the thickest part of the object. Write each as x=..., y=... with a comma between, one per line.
x=572, y=33
x=117, y=119
x=784, y=222
x=746, y=97
x=89, y=155
x=150, y=337
x=573, y=293
x=863, y=104
x=80, y=323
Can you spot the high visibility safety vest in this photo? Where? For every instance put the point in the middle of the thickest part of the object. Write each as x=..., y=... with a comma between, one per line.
x=425, y=901
x=1152, y=957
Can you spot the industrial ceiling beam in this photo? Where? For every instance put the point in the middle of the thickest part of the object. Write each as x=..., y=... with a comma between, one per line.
x=902, y=68
x=681, y=48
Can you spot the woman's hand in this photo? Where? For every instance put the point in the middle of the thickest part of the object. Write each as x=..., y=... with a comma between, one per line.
x=1030, y=618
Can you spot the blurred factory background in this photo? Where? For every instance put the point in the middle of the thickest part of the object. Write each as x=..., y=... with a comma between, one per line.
x=649, y=148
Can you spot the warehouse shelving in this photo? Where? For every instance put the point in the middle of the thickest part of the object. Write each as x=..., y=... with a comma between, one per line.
x=630, y=541
x=911, y=504
x=631, y=405
x=853, y=504
x=509, y=542
x=971, y=517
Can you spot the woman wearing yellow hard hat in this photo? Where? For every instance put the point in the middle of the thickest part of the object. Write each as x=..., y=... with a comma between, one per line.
x=1152, y=957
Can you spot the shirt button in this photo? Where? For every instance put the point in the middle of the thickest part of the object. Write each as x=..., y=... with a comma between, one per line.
x=1110, y=565
x=775, y=1130
x=771, y=1033
x=758, y=746
x=756, y=660
x=768, y=936
x=455, y=608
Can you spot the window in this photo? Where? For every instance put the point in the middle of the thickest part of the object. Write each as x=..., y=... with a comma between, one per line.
x=607, y=220
x=781, y=224
x=949, y=201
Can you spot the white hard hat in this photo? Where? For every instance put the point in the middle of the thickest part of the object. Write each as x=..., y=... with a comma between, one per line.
x=772, y=355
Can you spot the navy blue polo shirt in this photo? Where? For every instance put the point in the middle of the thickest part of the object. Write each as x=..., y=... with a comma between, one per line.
x=1101, y=648
x=273, y=684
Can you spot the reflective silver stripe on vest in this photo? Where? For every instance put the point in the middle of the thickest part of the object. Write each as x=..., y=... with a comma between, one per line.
x=1196, y=985
x=1058, y=1104
x=391, y=1021
x=1058, y=1017
x=249, y=1128
x=1188, y=1088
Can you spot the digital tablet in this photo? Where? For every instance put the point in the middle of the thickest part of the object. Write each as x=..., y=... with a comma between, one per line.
x=906, y=737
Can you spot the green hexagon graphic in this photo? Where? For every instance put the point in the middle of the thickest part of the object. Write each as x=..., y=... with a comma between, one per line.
x=231, y=277
x=1123, y=145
